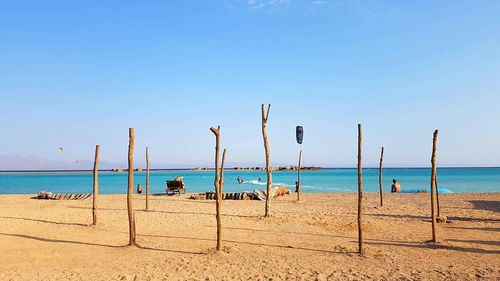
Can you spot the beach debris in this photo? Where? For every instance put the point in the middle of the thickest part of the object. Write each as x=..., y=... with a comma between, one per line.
x=47, y=195
x=200, y=196
x=259, y=195
x=442, y=219
x=277, y=191
x=280, y=190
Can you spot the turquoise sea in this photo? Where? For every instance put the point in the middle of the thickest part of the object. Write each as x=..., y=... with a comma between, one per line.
x=326, y=180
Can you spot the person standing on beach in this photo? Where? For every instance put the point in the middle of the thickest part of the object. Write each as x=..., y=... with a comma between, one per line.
x=139, y=188
x=396, y=187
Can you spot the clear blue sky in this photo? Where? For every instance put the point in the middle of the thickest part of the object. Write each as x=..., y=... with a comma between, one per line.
x=77, y=73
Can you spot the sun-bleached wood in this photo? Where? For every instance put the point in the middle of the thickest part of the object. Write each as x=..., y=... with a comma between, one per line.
x=433, y=183
x=380, y=177
x=217, y=185
x=298, y=176
x=219, y=202
x=130, y=190
x=360, y=192
x=265, y=117
x=147, y=178
x=437, y=197
x=95, y=191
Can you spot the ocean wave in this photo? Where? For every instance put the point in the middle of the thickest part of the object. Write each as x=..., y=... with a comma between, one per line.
x=261, y=183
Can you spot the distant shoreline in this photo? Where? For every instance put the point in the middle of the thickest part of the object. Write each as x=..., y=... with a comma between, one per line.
x=212, y=170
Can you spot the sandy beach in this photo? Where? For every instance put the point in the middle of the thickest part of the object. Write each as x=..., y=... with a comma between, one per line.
x=313, y=240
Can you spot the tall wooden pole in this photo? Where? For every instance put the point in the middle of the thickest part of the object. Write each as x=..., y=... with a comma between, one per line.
x=298, y=177
x=265, y=117
x=360, y=192
x=380, y=177
x=437, y=198
x=130, y=191
x=217, y=186
x=147, y=178
x=433, y=182
x=95, y=191
x=219, y=202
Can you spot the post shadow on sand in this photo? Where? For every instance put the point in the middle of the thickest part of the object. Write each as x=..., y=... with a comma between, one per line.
x=283, y=232
x=46, y=221
x=488, y=205
x=247, y=243
x=483, y=242
x=170, y=212
x=495, y=229
x=436, y=246
x=425, y=218
x=92, y=244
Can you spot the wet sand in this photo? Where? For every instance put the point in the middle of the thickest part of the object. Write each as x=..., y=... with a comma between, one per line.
x=312, y=240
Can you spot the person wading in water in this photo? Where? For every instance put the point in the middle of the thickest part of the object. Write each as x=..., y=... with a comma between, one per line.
x=396, y=187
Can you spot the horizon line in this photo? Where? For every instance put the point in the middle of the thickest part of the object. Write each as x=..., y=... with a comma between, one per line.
x=245, y=170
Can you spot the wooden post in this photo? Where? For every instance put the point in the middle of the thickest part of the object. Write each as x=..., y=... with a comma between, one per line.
x=360, y=192
x=130, y=191
x=265, y=117
x=147, y=178
x=433, y=182
x=217, y=183
x=380, y=177
x=298, y=176
x=437, y=198
x=95, y=191
x=219, y=202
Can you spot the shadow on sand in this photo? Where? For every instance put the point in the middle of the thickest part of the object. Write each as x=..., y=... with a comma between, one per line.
x=169, y=212
x=46, y=221
x=487, y=205
x=91, y=244
x=424, y=218
x=247, y=243
x=437, y=246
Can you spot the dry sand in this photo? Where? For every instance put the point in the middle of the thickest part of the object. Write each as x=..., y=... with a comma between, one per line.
x=313, y=240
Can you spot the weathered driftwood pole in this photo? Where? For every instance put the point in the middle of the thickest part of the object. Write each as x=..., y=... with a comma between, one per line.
x=437, y=198
x=219, y=201
x=130, y=192
x=265, y=117
x=217, y=184
x=147, y=178
x=298, y=176
x=380, y=177
x=95, y=191
x=433, y=182
x=360, y=192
